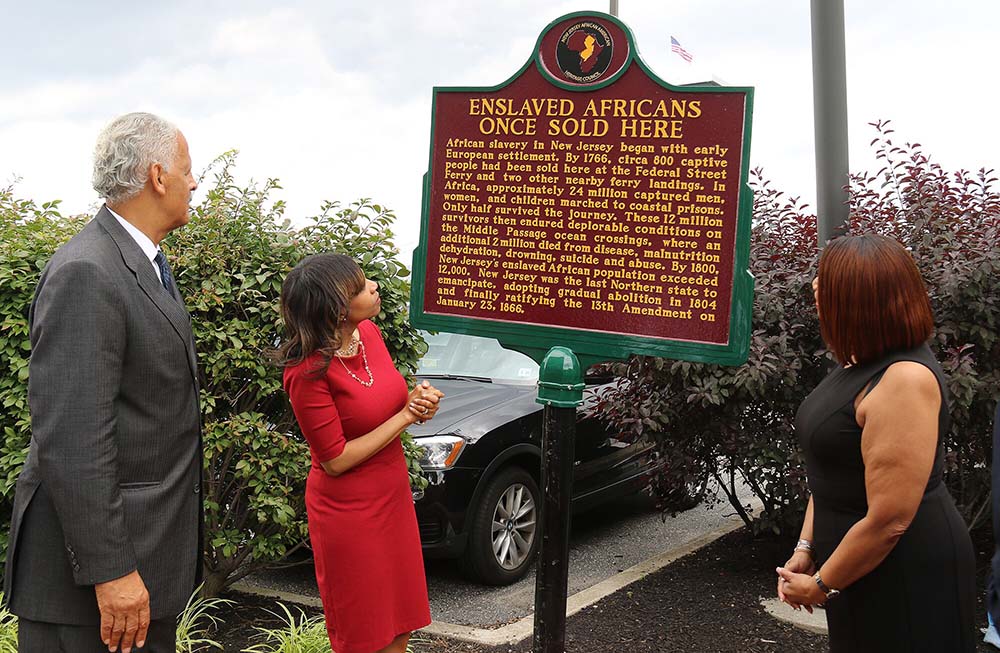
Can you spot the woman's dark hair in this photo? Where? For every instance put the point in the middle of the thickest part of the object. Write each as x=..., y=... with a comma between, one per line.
x=871, y=299
x=315, y=298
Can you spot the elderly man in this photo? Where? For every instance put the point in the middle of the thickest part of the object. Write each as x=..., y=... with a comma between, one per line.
x=105, y=541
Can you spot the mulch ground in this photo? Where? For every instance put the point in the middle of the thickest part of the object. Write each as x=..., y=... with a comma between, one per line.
x=707, y=602
x=240, y=622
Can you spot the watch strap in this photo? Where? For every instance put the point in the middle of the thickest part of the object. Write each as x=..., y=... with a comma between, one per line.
x=828, y=591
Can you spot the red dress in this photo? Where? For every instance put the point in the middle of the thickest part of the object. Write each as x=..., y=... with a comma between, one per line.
x=362, y=524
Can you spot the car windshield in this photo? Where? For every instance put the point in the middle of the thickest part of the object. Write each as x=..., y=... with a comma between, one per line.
x=454, y=354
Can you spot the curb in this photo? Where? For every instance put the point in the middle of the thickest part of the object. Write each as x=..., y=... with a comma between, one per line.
x=279, y=595
x=523, y=628
x=814, y=623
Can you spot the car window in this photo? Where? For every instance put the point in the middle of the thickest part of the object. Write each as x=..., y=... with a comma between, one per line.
x=461, y=355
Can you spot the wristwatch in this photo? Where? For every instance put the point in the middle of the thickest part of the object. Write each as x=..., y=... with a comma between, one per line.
x=828, y=591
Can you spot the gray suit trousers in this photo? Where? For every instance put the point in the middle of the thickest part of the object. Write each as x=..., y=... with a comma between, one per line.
x=41, y=637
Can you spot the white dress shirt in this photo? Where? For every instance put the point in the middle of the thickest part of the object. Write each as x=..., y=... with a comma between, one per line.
x=142, y=240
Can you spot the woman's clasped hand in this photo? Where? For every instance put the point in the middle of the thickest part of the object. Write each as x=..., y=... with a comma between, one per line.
x=796, y=586
x=424, y=402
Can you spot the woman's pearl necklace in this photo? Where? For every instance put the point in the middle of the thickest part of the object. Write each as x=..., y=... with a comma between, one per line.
x=364, y=359
x=350, y=349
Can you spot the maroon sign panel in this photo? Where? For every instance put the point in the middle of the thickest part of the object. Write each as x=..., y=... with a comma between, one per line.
x=586, y=194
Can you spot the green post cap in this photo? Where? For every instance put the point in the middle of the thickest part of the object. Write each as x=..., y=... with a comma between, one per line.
x=560, y=381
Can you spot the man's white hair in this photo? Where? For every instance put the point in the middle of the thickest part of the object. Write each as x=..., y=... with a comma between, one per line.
x=126, y=149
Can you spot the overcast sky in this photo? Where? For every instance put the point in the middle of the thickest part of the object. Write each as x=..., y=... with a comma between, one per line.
x=333, y=97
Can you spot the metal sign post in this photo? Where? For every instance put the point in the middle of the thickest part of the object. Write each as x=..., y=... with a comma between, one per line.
x=560, y=390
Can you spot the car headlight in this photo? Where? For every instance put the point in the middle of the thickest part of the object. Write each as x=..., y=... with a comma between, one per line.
x=440, y=451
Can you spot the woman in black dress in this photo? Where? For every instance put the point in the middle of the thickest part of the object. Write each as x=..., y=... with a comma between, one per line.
x=882, y=546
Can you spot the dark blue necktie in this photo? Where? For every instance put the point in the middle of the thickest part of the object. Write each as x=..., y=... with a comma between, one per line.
x=166, y=278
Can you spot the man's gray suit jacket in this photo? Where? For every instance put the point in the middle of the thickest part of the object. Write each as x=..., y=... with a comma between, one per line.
x=112, y=481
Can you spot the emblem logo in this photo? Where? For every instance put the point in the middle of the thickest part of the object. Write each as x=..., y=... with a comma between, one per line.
x=584, y=52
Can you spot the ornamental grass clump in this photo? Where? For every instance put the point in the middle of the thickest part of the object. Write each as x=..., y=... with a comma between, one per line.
x=296, y=634
x=8, y=628
x=197, y=622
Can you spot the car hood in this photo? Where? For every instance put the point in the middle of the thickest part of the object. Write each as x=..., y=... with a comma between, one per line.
x=465, y=399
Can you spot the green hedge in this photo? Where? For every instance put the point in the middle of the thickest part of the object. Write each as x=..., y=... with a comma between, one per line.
x=29, y=234
x=229, y=263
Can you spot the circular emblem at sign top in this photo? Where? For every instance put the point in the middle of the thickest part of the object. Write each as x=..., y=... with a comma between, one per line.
x=584, y=52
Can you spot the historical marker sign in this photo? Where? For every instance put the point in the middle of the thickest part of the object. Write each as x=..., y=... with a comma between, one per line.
x=589, y=204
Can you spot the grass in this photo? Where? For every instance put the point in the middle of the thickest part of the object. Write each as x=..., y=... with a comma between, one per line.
x=297, y=634
x=8, y=629
x=195, y=623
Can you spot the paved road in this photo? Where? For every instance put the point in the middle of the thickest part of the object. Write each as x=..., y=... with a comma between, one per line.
x=604, y=541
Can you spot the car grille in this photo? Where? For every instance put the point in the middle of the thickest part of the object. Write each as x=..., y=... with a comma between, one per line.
x=431, y=531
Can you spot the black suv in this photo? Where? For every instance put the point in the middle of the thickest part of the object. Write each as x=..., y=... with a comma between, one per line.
x=482, y=454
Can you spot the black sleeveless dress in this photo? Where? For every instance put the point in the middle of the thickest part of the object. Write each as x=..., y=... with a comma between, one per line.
x=922, y=597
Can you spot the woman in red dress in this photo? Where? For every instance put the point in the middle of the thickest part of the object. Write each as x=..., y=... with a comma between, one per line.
x=352, y=404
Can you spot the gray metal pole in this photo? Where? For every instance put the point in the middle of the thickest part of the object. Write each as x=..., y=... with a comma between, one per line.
x=830, y=115
x=614, y=8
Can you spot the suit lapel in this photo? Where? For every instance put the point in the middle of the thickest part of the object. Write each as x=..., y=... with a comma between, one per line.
x=136, y=261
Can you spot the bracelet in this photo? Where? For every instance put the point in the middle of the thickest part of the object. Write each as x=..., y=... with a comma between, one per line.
x=804, y=545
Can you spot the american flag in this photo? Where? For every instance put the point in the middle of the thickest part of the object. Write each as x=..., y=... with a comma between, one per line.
x=676, y=47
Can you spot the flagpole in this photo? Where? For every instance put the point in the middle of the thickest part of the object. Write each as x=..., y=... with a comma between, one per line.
x=830, y=116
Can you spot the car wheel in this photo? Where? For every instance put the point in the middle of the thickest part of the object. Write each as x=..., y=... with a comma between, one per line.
x=504, y=531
